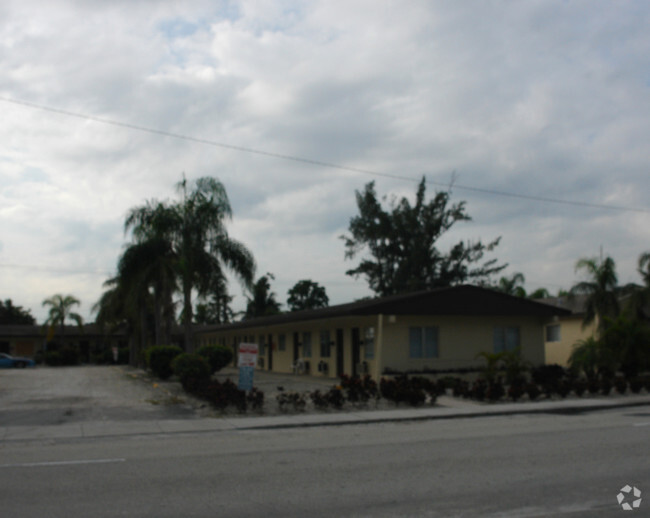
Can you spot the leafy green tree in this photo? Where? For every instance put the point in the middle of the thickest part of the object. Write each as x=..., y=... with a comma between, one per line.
x=639, y=296
x=539, y=293
x=591, y=357
x=195, y=228
x=601, y=290
x=15, y=315
x=263, y=302
x=61, y=311
x=513, y=285
x=216, y=307
x=401, y=242
x=307, y=294
x=628, y=342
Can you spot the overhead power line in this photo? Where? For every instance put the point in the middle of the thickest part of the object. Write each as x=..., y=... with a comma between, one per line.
x=319, y=163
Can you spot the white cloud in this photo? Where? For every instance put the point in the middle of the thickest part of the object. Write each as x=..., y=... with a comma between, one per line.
x=545, y=99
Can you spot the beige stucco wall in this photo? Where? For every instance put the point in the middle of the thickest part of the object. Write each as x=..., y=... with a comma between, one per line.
x=571, y=331
x=460, y=339
x=283, y=360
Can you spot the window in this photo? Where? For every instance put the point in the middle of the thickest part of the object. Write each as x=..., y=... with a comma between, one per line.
x=553, y=333
x=423, y=342
x=306, y=344
x=505, y=339
x=369, y=344
x=282, y=342
x=325, y=344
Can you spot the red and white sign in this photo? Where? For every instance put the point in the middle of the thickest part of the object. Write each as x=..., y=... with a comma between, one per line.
x=247, y=355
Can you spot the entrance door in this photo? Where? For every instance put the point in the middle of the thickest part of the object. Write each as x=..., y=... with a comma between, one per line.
x=356, y=345
x=339, y=352
x=270, y=352
x=296, y=347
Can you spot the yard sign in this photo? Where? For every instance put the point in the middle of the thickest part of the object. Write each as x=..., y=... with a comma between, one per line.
x=246, y=362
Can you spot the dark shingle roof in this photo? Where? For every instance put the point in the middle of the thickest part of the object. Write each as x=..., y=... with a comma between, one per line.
x=456, y=300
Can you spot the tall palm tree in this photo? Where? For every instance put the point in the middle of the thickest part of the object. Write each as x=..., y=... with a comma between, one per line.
x=513, y=285
x=195, y=229
x=639, y=300
x=61, y=310
x=601, y=290
x=263, y=302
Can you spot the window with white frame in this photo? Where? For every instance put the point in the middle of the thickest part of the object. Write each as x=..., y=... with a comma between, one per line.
x=369, y=343
x=423, y=342
x=553, y=333
x=506, y=338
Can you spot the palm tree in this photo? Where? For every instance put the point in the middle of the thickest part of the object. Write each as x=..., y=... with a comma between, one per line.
x=513, y=285
x=148, y=270
x=195, y=229
x=539, y=293
x=61, y=310
x=640, y=295
x=263, y=302
x=601, y=290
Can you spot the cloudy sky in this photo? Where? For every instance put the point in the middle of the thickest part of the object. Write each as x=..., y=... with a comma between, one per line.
x=536, y=99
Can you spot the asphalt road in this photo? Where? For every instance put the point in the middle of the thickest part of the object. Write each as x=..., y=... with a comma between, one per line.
x=516, y=466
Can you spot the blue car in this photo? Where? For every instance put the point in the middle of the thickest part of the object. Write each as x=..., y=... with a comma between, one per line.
x=9, y=362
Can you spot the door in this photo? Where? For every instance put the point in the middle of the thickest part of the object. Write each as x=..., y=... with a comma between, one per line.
x=270, y=352
x=296, y=347
x=339, y=353
x=356, y=346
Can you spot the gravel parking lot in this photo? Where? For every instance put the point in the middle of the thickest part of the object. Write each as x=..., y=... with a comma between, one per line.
x=48, y=395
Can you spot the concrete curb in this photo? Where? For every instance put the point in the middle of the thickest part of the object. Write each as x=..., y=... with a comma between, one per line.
x=92, y=430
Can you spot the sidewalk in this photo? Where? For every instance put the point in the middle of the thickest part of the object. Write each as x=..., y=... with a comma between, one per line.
x=447, y=408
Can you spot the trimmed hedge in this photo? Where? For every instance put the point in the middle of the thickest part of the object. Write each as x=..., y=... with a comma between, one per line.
x=191, y=369
x=217, y=356
x=159, y=359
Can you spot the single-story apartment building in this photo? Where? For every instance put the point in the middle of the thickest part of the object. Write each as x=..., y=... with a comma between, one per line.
x=439, y=329
x=568, y=329
x=26, y=340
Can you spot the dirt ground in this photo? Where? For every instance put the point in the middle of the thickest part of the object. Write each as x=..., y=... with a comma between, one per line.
x=56, y=395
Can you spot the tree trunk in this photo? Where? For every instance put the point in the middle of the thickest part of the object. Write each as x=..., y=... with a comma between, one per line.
x=187, y=316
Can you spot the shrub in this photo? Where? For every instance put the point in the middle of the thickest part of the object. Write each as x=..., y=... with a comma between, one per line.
x=516, y=390
x=191, y=369
x=636, y=385
x=159, y=359
x=223, y=395
x=53, y=358
x=294, y=399
x=533, y=391
x=405, y=389
x=621, y=385
x=359, y=389
x=495, y=390
x=579, y=387
x=217, y=356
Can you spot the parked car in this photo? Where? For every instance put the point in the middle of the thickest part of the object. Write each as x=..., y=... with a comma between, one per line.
x=8, y=361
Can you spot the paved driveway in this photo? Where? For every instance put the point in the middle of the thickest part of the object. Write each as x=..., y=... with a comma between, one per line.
x=48, y=396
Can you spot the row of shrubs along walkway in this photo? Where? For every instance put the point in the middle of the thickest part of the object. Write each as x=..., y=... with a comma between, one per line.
x=277, y=393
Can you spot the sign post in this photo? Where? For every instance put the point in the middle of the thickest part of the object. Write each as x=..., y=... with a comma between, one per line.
x=246, y=361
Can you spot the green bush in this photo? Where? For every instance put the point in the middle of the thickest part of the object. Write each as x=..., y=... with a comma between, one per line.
x=217, y=356
x=159, y=359
x=191, y=369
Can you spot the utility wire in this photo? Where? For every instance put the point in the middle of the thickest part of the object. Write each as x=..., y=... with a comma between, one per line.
x=319, y=163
